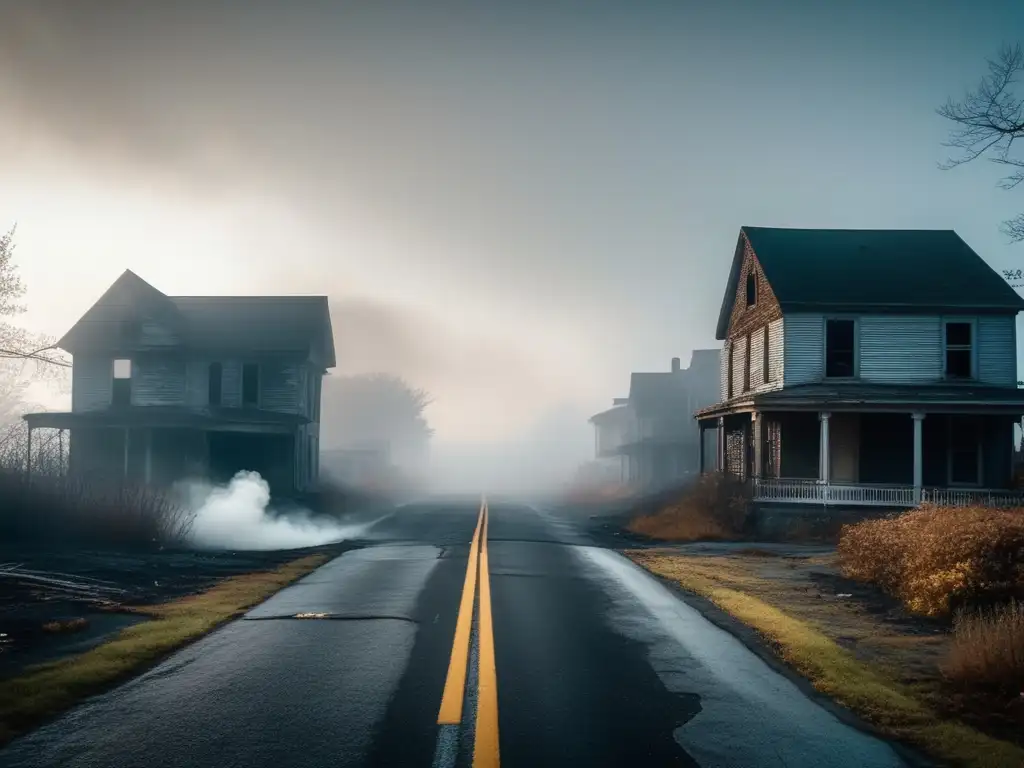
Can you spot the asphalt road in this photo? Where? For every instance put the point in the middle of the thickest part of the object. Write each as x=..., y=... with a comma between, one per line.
x=572, y=657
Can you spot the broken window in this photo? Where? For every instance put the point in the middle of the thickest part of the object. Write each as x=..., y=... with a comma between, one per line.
x=840, y=352
x=964, y=452
x=250, y=384
x=751, y=288
x=216, y=383
x=959, y=350
x=121, y=393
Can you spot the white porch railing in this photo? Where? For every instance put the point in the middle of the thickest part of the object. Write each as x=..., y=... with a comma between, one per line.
x=816, y=492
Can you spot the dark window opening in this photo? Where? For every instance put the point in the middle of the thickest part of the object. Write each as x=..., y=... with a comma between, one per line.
x=840, y=356
x=959, y=350
x=746, y=367
x=751, y=289
x=964, y=452
x=121, y=393
x=216, y=382
x=250, y=384
x=766, y=364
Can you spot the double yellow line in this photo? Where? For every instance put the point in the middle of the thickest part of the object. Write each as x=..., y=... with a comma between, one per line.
x=485, y=746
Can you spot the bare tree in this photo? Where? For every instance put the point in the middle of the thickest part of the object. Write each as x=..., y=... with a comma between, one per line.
x=16, y=343
x=989, y=120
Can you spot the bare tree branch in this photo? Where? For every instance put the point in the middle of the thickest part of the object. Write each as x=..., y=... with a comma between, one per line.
x=988, y=121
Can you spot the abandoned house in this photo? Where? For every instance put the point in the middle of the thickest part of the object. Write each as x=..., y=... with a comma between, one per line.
x=650, y=437
x=169, y=387
x=866, y=367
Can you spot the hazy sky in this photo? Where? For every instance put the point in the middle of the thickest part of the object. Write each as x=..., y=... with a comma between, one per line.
x=514, y=204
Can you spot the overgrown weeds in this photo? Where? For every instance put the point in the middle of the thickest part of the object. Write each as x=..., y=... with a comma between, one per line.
x=58, y=510
x=714, y=506
x=937, y=560
x=988, y=651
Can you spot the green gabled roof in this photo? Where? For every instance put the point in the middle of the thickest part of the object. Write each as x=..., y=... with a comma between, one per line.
x=912, y=270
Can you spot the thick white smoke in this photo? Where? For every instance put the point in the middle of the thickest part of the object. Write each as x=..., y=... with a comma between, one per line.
x=238, y=516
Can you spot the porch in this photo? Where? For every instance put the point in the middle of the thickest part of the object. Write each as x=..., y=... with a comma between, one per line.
x=870, y=453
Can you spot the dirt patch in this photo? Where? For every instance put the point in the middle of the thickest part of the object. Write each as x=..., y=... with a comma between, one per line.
x=854, y=642
x=57, y=603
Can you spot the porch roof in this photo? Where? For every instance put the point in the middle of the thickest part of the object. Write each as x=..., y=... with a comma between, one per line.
x=168, y=417
x=855, y=396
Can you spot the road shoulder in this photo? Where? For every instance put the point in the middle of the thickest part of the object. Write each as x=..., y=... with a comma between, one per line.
x=47, y=690
x=832, y=675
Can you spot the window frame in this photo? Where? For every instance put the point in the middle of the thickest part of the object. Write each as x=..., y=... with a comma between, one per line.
x=751, y=283
x=856, y=346
x=730, y=363
x=115, y=400
x=972, y=322
x=256, y=402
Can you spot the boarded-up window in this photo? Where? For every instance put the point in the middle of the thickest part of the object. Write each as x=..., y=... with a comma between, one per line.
x=121, y=393
x=730, y=373
x=250, y=384
x=216, y=383
x=766, y=365
x=746, y=367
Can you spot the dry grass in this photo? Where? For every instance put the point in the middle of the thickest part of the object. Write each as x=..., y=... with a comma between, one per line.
x=70, y=625
x=871, y=690
x=713, y=508
x=938, y=559
x=48, y=689
x=988, y=650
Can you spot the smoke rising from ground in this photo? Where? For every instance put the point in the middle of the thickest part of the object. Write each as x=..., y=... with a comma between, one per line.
x=239, y=516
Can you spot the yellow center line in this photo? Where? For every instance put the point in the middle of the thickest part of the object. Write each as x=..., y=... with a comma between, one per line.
x=485, y=746
x=455, y=686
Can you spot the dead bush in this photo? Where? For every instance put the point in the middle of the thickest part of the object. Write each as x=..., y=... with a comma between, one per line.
x=56, y=510
x=714, y=506
x=988, y=650
x=939, y=559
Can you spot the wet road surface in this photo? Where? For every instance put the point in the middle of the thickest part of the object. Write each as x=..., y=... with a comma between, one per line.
x=593, y=662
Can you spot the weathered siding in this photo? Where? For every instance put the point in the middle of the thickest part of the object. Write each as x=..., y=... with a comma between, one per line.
x=744, y=319
x=724, y=393
x=280, y=388
x=803, y=348
x=231, y=387
x=91, y=383
x=997, y=350
x=158, y=380
x=153, y=334
x=739, y=360
x=756, y=359
x=776, y=353
x=197, y=383
x=900, y=349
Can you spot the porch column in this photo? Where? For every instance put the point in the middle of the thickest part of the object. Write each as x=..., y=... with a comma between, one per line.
x=823, y=447
x=757, y=425
x=720, y=459
x=918, y=457
x=700, y=447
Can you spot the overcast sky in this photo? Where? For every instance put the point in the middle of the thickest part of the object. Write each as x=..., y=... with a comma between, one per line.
x=514, y=204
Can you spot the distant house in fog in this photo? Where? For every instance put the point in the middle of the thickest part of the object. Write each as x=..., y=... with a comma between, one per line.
x=166, y=387
x=651, y=433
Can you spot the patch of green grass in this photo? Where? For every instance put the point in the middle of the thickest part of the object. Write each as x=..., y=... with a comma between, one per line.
x=834, y=671
x=48, y=689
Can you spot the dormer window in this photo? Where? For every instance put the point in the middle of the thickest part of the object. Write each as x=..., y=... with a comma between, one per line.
x=751, y=288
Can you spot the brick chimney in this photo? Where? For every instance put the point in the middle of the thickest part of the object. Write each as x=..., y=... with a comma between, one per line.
x=675, y=365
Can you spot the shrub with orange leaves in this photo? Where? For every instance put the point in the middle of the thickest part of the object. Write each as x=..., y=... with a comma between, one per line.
x=714, y=506
x=937, y=559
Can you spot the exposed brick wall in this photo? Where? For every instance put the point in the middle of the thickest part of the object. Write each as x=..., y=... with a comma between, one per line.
x=746, y=320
